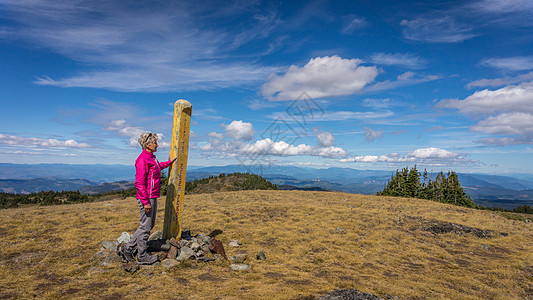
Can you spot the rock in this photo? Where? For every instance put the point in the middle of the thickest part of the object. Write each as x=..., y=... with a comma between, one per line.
x=110, y=245
x=183, y=243
x=174, y=243
x=107, y=257
x=352, y=294
x=205, y=259
x=169, y=263
x=215, y=233
x=109, y=204
x=240, y=267
x=158, y=245
x=124, y=238
x=172, y=252
x=340, y=230
x=131, y=267
x=239, y=258
x=161, y=255
x=217, y=256
x=261, y=256
x=186, y=234
x=485, y=247
x=195, y=246
x=185, y=253
x=199, y=253
x=205, y=248
x=203, y=239
x=234, y=243
x=156, y=235
x=216, y=246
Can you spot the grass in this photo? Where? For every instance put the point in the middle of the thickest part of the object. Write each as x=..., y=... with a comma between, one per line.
x=46, y=251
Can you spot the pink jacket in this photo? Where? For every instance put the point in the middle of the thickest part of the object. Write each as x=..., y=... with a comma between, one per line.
x=148, y=176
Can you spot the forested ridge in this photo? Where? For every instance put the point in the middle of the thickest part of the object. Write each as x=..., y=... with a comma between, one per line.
x=222, y=182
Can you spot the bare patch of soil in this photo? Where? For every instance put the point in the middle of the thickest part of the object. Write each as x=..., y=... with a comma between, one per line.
x=274, y=275
x=297, y=282
x=438, y=227
x=209, y=277
x=182, y=281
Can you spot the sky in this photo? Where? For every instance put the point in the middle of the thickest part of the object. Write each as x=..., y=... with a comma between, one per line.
x=382, y=85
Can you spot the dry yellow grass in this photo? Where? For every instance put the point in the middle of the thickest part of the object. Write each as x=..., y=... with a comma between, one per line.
x=46, y=251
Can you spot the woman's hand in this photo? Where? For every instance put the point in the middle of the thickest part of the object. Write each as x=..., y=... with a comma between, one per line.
x=172, y=158
x=147, y=208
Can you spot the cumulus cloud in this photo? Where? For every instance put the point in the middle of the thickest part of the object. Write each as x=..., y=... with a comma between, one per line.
x=505, y=111
x=512, y=98
x=325, y=139
x=372, y=135
x=240, y=130
x=436, y=30
x=268, y=147
x=133, y=133
x=405, y=60
x=518, y=63
x=320, y=77
x=235, y=142
x=13, y=140
x=426, y=156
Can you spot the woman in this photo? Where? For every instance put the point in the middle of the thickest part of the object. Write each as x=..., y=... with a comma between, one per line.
x=147, y=182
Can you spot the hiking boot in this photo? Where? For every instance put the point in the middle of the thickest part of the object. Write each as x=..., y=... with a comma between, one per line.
x=146, y=259
x=125, y=254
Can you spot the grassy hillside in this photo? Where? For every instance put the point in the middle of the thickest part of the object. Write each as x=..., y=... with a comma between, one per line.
x=314, y=242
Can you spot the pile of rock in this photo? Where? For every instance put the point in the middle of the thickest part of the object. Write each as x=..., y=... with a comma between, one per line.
x=200, y=248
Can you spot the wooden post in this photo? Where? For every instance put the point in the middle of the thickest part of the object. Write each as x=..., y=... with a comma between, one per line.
x=177, y=171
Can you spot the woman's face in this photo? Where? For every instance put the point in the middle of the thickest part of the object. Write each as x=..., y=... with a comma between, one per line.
x=152, y=146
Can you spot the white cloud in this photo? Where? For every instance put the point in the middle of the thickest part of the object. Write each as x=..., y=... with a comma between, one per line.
x=133, y=133
x=268, y=147
x=436, y=30
x=501, y=81
x=512, y=98
x=372, y=135
x=325, y=139
x=406, y=60
x=503, y=6
x=166, y=47
x=215, y=135
x=13, y=140
x=341, y=116
x=320, y=77
x=405, y=79
x=352, y=24
x=240, y=130
x=507, y=123
x=426, y=156
x=519, y=63
x=505, y=111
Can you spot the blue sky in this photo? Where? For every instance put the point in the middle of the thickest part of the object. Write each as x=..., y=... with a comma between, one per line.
x=446, y=85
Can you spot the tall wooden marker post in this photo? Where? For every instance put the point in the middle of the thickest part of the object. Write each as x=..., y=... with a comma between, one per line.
x=176, y=175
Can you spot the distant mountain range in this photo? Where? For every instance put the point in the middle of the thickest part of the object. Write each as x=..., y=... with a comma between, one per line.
x=487, y=190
